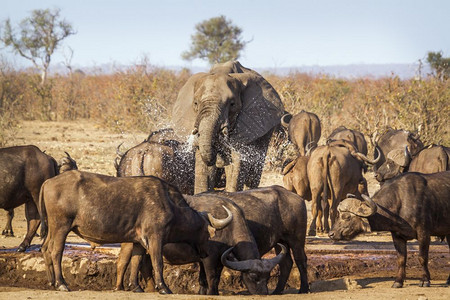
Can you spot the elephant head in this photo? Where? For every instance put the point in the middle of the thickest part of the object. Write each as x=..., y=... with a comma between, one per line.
x=229, y=106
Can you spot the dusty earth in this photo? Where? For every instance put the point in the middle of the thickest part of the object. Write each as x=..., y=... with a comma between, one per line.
x=363, y=268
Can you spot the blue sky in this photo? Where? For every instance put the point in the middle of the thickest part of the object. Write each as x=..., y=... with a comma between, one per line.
x=283, y=33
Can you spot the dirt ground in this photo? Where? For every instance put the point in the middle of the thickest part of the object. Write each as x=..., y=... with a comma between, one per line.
x=363, y=268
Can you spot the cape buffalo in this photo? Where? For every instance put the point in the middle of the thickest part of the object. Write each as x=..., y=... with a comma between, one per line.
x=351, y=135
x=392, y=145
x=273, y=215
x=65, y=164
x=236, y=236
x=295, y=175
x=103, y=209
x=276, y=215
x=335, y=168
x=304, y=129
x=23, y=169
x=432, y=159
x=410, y=206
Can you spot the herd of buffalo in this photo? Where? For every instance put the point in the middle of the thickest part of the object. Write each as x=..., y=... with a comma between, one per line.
x=191, y=193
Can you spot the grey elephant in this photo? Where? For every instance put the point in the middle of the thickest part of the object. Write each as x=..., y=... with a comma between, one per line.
x=232, y=112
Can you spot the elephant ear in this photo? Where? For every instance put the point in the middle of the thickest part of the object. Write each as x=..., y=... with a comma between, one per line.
x=262, y=108
x=183, y=115
x=232, y=66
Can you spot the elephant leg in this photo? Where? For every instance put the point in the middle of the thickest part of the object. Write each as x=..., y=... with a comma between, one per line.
x=205, y=176
x=33, y=221
x=233, y=173
x=201, y=174
x=8, y=231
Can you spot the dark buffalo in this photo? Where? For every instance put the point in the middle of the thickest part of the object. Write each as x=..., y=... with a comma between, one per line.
x=104, y=209
x=432, y=159
x=392, y=145
x=65, y=164
x=333, y=171
x=23, y=169
x=276, y=215
x=304, y=130
x=351, y=135
x=236, y=236
x=410, y=206
x=168, y=162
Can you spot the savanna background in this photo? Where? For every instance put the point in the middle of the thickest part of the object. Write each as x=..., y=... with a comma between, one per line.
x=89, y=112
x=140, y=98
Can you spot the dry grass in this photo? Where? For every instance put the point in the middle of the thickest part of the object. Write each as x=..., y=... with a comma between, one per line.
x=141, y=98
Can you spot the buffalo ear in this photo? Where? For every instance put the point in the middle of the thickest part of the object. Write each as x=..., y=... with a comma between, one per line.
x=211, y=231
x=261, y=111
x=399, y=157
x=356, y=207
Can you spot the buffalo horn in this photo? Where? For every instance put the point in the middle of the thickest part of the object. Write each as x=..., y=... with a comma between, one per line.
x=368, y=160
x=309, y=147
x=285, y=121
x=371, y=204
x=364, y=208
x=220, y=223
x=118, y=151
x=253, y=264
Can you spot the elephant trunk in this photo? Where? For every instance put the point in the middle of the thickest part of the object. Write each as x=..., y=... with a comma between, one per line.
x=208, y=129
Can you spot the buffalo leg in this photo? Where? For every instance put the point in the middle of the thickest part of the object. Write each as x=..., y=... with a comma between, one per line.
x=155, y=251
x=316, y=210
x=448, y=242
x=46, y=251
x=285, y=269
x=326, y=214
x=123, y=260
x=400, y=247
x=59, y=239
x=138, y=253
x=424, y=246
x=8, y=231
x=213, y=269
x=298, y=250
x=33, y=221
x=146, y=269
x=202, y=280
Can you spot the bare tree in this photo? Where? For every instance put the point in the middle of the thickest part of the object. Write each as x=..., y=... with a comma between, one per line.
x=38, y=37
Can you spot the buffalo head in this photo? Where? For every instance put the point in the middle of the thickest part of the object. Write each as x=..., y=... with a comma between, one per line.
x=352, y=218
x=255, y=272
x=396, y=162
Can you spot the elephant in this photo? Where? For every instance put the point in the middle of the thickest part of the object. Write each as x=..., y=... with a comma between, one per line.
x=231, y=112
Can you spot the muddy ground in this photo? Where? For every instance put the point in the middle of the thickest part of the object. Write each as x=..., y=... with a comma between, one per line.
x=363, y=268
